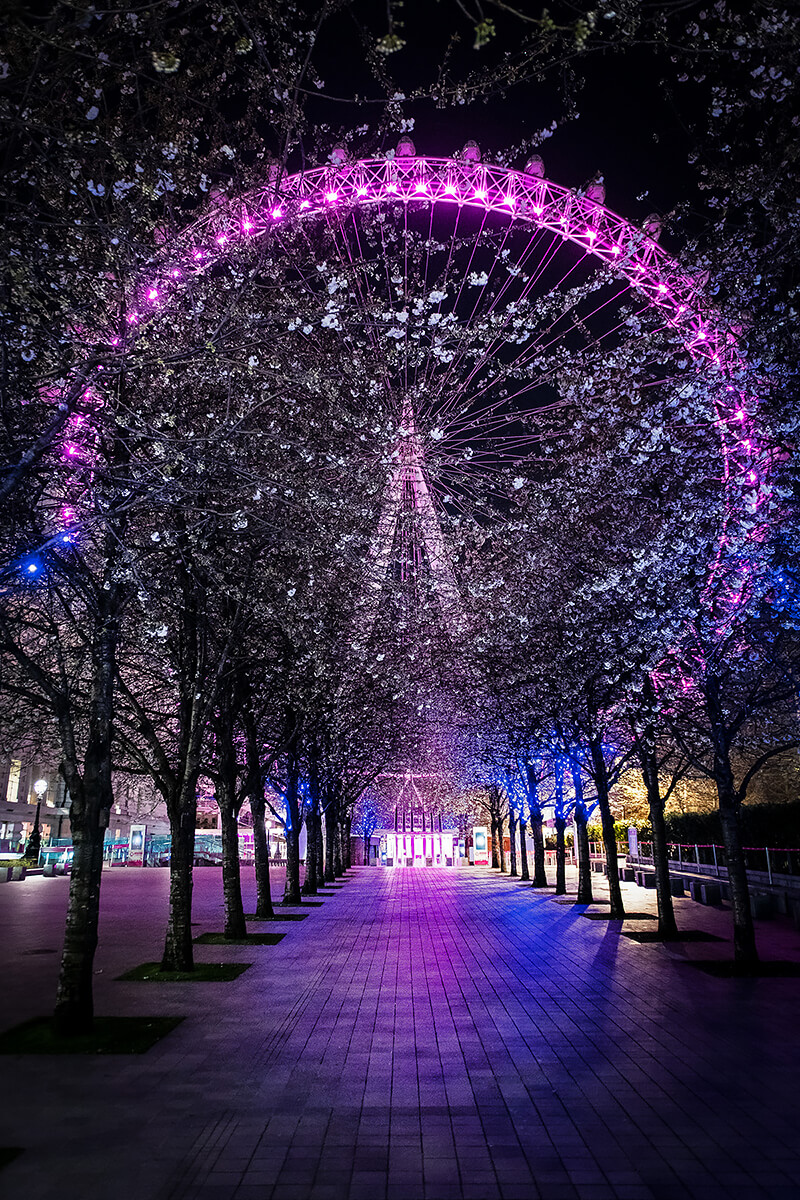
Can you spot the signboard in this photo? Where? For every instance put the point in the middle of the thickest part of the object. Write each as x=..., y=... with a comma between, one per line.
x=633, y=841
x=136, y=841
x=480, y=842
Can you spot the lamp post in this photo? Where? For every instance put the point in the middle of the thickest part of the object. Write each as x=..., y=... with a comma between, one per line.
x=35, y=840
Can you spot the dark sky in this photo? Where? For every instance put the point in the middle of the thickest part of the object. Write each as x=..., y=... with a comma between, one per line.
x=629, y=127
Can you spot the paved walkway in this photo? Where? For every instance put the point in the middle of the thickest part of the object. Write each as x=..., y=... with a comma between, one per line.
x=424, y=1035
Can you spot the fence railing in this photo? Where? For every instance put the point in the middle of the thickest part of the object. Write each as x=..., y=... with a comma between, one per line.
x=779, y=864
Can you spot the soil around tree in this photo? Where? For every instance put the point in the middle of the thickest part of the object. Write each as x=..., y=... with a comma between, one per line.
x=252, y=939
x=647, y=936
x=628, y=917
x=109, y=1035
x=278, y=916
x=727, y=968
x=150, y=972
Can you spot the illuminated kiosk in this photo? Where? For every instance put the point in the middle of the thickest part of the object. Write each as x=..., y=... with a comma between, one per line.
x=417, y=840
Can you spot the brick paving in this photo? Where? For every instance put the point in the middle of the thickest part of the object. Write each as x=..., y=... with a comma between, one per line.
x=423, y=1035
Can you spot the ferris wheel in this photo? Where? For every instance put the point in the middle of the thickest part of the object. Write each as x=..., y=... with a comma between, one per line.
x=450, y=297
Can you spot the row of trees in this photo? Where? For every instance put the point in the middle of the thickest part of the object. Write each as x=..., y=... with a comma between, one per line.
x=195, y=462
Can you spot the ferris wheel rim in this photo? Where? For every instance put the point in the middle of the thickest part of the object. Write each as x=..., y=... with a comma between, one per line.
x=532, y=200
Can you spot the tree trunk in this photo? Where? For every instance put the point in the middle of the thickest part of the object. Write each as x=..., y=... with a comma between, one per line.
x=310, y=882
x=667, y=925
x=523, y=849
x=264, y=908
x=512, y=833
x=330, y=838
x=539, y=870
x=582, y=839
x=744, y=937
x=74, y=1010
x=348, y=826
x=291, y=891
x=235, y=926
x=92, y=797
x=561, y=857
x=584, y=861
x=319, y=849
x=495, y=854
x=338, y=867
x=617, y=908
x=178, y=954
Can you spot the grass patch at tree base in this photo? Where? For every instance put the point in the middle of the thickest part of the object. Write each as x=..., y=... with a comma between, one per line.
x=729, y=969
x=203, y=973
x=305, y=904
x=560, y=900
x=282, y=916
x=252, y=939
x=683, y=935
x=628, y=917
x=109, y=1035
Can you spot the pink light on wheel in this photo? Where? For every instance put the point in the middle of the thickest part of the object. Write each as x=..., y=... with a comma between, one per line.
x=331, y=197
x=247, y=225
x=305, y=204
x=152, y=295
x=277, y=213
x=222, y=239
x=362, y=191
x=132, y=318
x=176, y=273
x=480, y=194
x=198, y=254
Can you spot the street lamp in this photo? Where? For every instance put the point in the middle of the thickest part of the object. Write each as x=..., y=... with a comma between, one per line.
x=35, y=840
